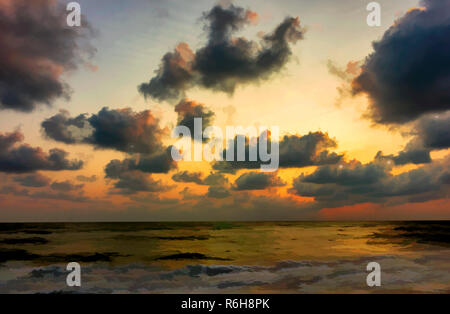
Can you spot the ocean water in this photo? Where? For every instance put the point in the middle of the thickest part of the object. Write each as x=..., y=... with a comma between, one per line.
x=225, y=257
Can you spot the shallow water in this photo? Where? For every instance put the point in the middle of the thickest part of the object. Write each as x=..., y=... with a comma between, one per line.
x=278, y=257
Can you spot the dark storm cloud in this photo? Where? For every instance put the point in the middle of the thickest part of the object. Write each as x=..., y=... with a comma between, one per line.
x=407, y=75
x=22, y=158
x=120, y=129
x=187, y=110
x=173, y=77
x=430, y=132
x=352, y=183
x=294, y=152
x=160, y=162
x=65, y=186
x=347, y=174
x=186, y=176
x=132, y=182
x=257, y=181
x=434, y=131
x=37, y=49
x=132, y=173
x=225, y=61
x=308, y=150
x=35, y=180
x=62, y=128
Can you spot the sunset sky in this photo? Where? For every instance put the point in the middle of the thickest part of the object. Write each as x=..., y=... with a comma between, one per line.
x=86, y=113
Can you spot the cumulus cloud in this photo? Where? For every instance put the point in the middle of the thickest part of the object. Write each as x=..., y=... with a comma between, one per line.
x=225, y=61
x=430, y=132
x=218, y=184
x=37, y=49
x=20, y=158
x=65, y=186
x=434, y=131
x=187, y=110
x=218, y=191
x=214, y=178
x=131, y=182
x=295, y=151
x=160, y=162
x=186, y=176
x=257, y=181
x=354, y=182
x=120, y=129
x=35, y=180
x=407, y=74
x=132, y=170
x=350, y=174
x=413, y=153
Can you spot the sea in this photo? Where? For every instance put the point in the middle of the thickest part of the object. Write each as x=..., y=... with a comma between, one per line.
x=226, y=257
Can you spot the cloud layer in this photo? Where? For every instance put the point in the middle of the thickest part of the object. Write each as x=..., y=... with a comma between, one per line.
x=354, y=182
x=257, y=181
x=295, y=151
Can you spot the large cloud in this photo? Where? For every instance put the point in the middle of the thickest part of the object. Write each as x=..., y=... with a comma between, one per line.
x=351, y=183
x=160, y=162
x=225, y=61
x=65, y=186
x=120, y=129
x=22, y=158
x=37, y=48
x=408, y=73
x=295, y=151
x=430, y=132
x=218, y=185
x=131, y=182
x=257, y=181
x=188, y=110
x=132, y=173
x=186, y=176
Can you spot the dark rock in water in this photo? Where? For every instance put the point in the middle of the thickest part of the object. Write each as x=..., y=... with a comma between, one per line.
x=16, y=255
x=51, y=271
x=32, y=240
x=82, y=257
x=191, y=256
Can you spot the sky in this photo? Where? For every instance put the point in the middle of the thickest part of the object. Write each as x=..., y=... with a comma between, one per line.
x=86, y=113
